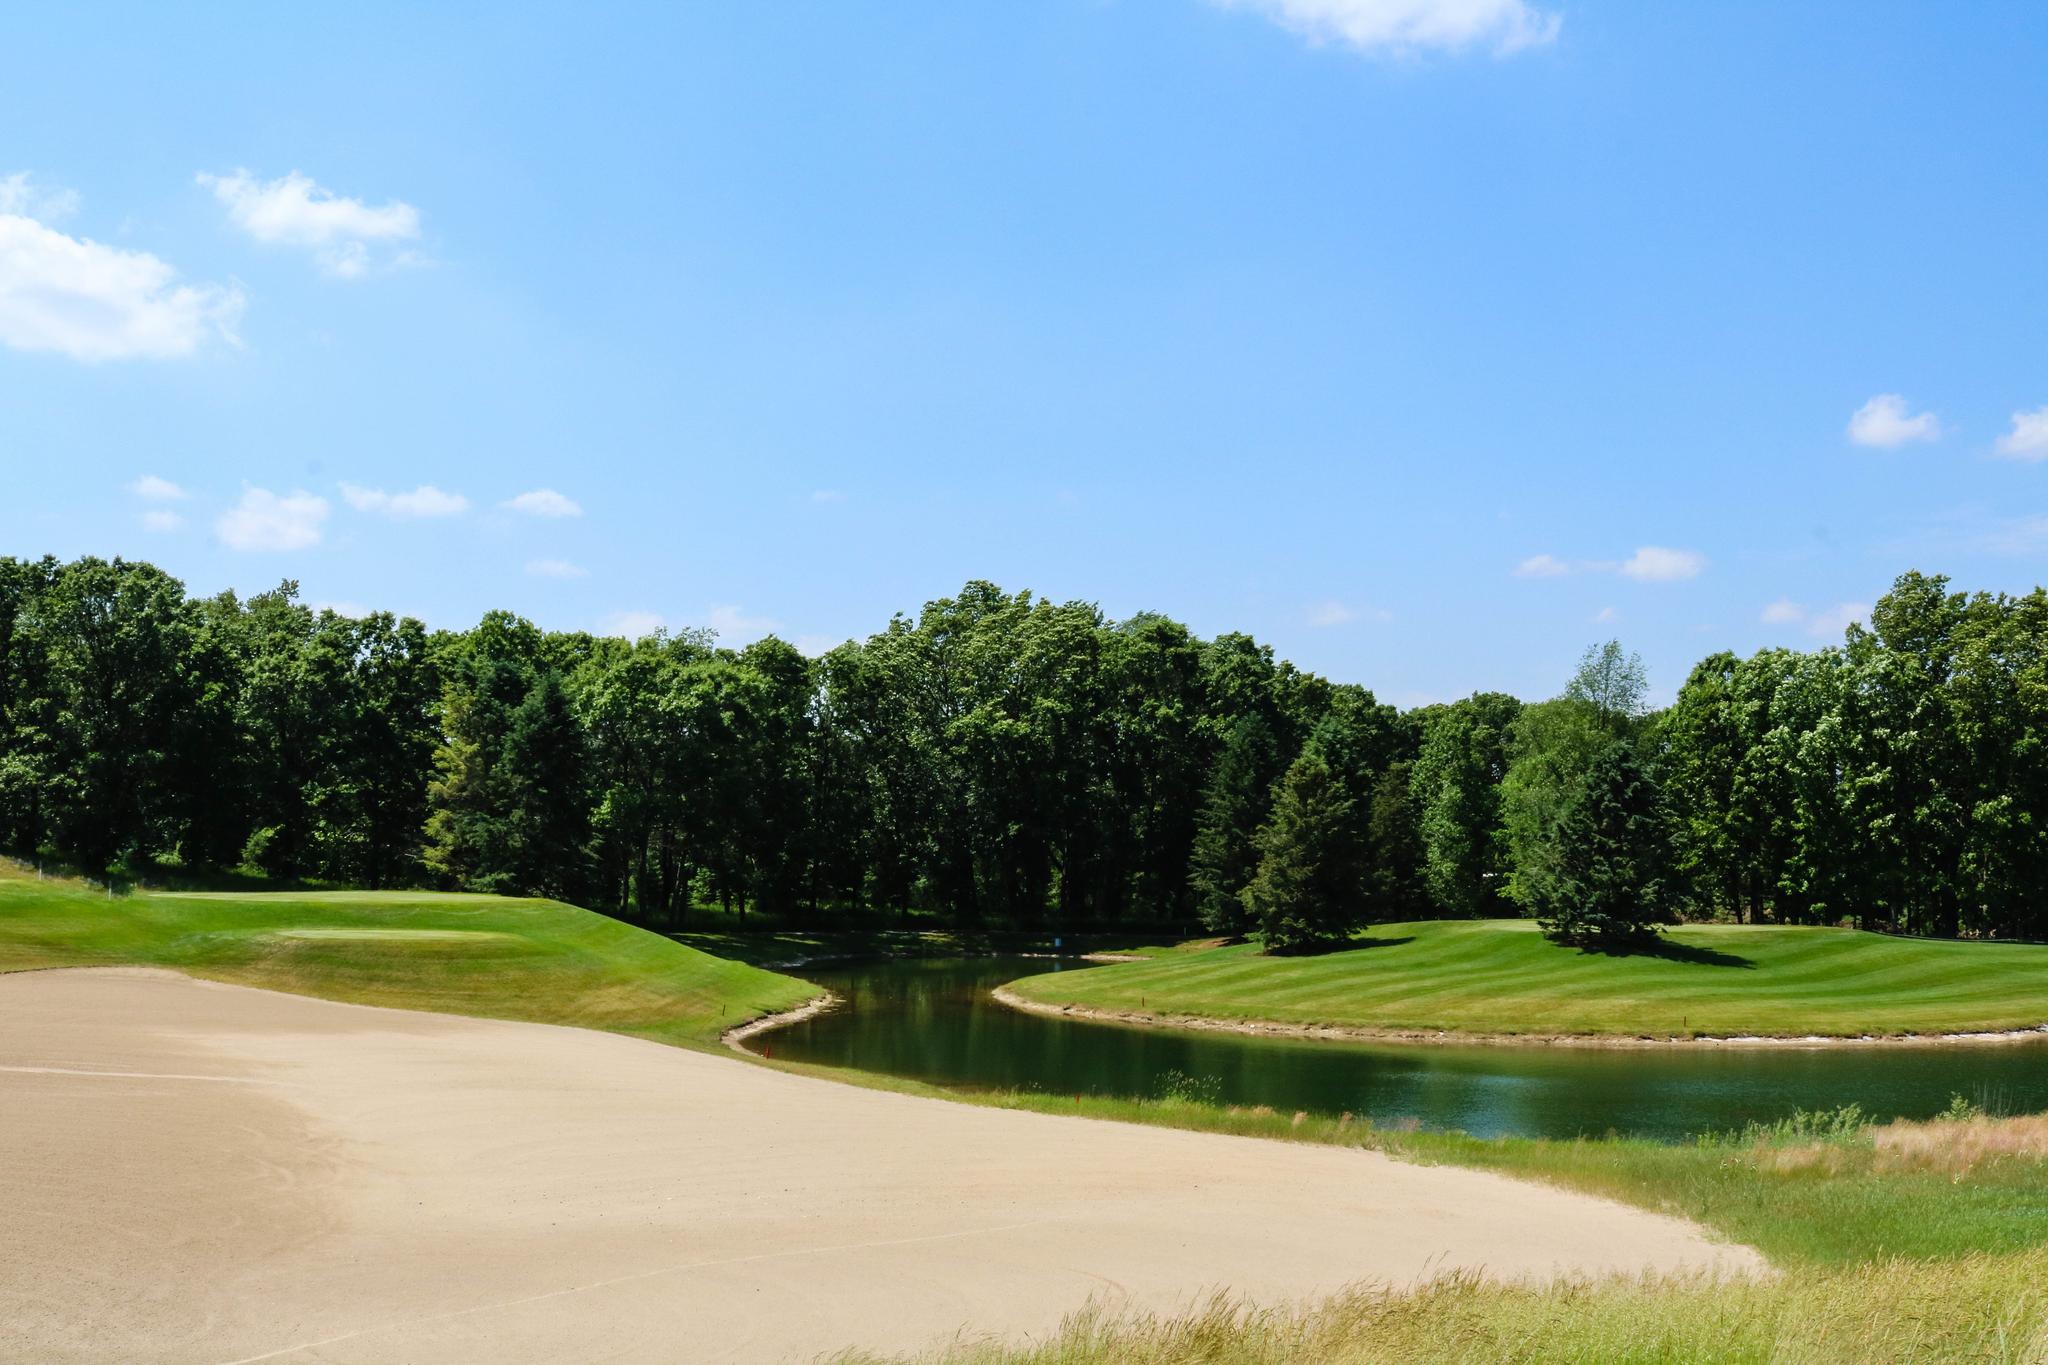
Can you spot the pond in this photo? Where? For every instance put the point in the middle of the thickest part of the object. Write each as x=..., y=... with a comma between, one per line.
x=933, y=1020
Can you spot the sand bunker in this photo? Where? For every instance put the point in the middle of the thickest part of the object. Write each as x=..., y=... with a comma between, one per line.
x=206, y=1173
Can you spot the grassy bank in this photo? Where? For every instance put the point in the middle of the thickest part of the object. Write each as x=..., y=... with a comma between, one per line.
x=490, y=956
x=1504, y=977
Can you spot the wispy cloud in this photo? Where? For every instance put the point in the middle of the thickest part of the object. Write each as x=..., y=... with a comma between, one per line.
x=555, y=568
x=19, y=194
x=263, y=520
x=159, y=518
x=1659, y=564
x=1821, y=623
x=2028, y=439
x=294, y=211
x=1649, y=564
x=422, y=502
x=150, y=488
x=1332, y=612
x=543, y=502
x=1406, y=26
x=94, y=302
x=2010, y=536
x=633, y=625
x=824, y=495
x=735, y=624
x=1886, y=423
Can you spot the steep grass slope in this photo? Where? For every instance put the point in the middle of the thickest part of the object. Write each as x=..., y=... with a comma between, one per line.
x=491, y=956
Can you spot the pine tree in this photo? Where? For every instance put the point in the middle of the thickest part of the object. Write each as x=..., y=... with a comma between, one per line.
x=1308, y=893
x=546, y=757
x=1234, y=806
x=1614, y=867
x=1395, y=889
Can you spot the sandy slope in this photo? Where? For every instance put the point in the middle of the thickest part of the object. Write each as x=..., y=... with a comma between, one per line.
x=196, y=1172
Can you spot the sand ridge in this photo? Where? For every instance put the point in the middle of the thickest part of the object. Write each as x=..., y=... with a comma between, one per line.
x=212, y=1174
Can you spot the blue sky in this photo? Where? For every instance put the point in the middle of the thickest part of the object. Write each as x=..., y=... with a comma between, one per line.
x=1430, y=340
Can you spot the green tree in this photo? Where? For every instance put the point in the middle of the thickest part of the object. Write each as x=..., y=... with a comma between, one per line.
x=1613, y=682
x=1614, y=881
x=1456, y=784
x=547, y=811
x=1235, y=805
x=1396, y=886
x=1309, y=891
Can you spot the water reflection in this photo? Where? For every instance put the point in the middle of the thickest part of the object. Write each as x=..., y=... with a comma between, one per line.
x=933, y=1021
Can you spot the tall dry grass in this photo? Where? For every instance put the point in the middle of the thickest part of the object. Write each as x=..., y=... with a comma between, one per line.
x=1979, y=1308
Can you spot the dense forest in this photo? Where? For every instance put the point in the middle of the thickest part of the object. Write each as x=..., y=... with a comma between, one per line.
x=1002, y=759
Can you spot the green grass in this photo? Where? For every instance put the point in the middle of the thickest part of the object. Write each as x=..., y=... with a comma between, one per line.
x=1504, y=977
x=489, y=956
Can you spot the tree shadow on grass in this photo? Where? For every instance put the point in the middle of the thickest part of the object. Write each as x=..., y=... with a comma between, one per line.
x=1352, y=945
x=1664, y=948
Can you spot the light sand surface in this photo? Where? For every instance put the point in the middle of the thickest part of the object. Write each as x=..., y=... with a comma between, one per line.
x=194, y=1172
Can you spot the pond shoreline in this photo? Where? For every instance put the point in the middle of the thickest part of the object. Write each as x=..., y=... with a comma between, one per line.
x=789, y=964
x=1268, y=1028
x=736, y=1036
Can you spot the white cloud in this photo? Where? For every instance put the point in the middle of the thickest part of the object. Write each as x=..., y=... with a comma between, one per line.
x=95, y=302
x=1606, y=616
x=1649, y=564
x=1822, y=624
x=294, y=211
x=2012, y=536
x=161, y=520
x=424, y=501
x=815, y=646
x=2028, y=439
x=264, y=521
x=1542, y=566
x=555, y=568
x=1656, y=564
x=19, y=195
x=1335, y=613
x=828, y=495
x=1411, y=25
x=1885, y=423
x=1832, y=621
x=633, y=625
x=733, y=623
x=543, y=502
x=1784, y=612
x=150, y=488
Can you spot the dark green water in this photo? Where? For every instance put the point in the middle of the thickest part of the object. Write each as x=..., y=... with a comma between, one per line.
x=934, y=1021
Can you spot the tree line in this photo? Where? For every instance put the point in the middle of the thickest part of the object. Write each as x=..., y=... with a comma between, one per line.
x=1002, y=759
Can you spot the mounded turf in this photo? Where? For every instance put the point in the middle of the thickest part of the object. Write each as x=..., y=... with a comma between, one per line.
x=1504, y=977
x=490, y=956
